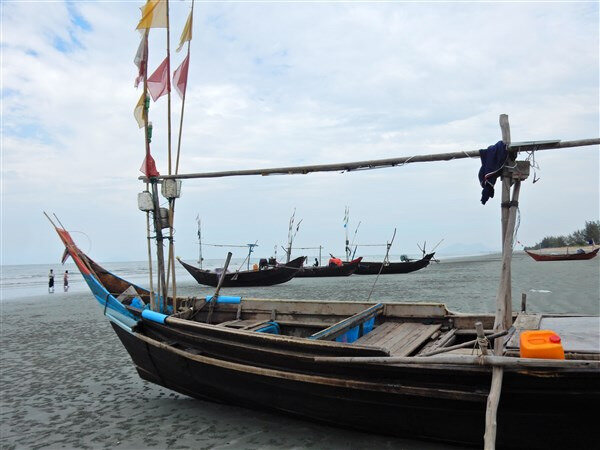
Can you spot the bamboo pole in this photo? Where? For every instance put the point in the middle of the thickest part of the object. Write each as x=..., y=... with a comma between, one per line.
x=503, y=319
x=183, y=104
x=382, y=163
x=161, y=288
x=146, y=112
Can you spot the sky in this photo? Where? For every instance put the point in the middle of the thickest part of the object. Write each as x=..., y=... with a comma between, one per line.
x=292, y=83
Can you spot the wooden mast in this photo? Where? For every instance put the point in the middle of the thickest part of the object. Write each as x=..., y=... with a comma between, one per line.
x=512, y=173
x=146, y=111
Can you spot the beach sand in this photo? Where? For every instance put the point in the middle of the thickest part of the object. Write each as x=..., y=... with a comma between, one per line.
x=67, y=382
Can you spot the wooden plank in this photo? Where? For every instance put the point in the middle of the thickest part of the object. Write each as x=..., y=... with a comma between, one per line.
x=522, y=323
x=377, y=334
x=445, y=339
x=342, y=326
x=400, y=338
x=412, y=342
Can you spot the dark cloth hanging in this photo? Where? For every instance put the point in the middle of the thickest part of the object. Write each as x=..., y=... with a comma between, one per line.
x=492, y=161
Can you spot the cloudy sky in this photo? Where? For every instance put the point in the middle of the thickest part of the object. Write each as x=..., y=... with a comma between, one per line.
x=294, y=83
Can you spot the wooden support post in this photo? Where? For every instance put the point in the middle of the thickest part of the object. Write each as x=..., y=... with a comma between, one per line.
x=523, y=302
x=503, y=317
x=215, y=296
x=160, y=258
x=481, y=339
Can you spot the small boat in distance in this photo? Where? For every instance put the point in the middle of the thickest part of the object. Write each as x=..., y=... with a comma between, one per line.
x=580, y=254
x=373, y=268
x=345, y=270
x=243, y=278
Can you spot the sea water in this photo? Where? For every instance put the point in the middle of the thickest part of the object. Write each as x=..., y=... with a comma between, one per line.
x=464, y=284
x=67, y=382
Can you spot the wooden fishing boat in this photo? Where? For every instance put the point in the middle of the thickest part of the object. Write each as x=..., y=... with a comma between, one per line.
x=563, y=256
x=268, y=276
x=373, y=268
x=368, y=366
x=345, y=270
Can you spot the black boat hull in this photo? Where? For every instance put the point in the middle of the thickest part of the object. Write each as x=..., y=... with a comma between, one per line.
x=388, y=400
x=247, y=278
x=373, y=268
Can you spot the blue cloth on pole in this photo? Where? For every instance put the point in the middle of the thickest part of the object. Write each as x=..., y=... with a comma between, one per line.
x=492, y=162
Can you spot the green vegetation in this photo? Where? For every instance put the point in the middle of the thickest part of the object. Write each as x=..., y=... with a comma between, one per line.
x=591, y=231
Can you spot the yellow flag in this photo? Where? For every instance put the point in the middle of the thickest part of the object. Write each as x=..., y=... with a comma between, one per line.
x=186, y=35
x=140, y=112
x=154, y=15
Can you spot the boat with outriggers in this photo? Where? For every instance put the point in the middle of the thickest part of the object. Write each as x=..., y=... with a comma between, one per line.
x=398, y=368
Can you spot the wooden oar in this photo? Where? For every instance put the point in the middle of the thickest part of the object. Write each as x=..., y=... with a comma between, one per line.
x=215, y=296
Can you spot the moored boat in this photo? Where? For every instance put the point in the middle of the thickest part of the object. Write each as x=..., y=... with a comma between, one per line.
x=368, y=366
x=373, y=268
x=344, y=270
x=563, y=256
x=267, y=276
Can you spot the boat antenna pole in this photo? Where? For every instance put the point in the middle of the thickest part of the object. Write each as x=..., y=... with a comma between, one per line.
x=387, y=252
x=292, y=235
x=200, y=258
x=353, y=240
x=346, y=218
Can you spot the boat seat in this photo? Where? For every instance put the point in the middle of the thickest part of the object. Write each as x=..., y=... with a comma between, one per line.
x=399, y=338
x=244, y=324
x=343, y=326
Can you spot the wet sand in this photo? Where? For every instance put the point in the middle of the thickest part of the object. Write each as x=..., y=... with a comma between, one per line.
x=67, y=382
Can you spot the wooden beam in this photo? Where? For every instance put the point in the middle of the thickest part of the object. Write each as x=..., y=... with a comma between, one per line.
x=342, y=326
x=380, y=163
x=494, y=361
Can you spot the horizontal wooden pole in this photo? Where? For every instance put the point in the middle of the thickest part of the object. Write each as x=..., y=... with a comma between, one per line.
x=380, y=163
x=495, y=361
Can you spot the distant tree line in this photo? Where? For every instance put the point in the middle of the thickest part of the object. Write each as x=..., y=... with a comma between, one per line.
x=590, y=232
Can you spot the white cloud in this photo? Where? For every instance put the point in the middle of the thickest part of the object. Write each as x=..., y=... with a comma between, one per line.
x=277, y=84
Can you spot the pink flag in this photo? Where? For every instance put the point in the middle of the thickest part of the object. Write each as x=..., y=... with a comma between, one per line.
x=140, y=60
x=180, y=76
x=159, y=83
x=149, y=167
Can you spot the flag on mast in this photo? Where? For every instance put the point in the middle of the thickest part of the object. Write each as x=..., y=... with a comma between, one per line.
x=180, y=76
x=186, y=34
x=154, y=15
x=149, y=166
x=141, y=60
x=159, y=83
x=139, y=111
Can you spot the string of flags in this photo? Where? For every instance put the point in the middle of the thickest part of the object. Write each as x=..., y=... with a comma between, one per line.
x=154, y=15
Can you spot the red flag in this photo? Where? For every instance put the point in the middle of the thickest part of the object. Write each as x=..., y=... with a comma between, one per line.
x=149, y=167
x=180, y=76
x=159, y=83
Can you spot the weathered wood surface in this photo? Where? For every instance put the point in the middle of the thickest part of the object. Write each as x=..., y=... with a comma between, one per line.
x=494, y=361
x=401, y=339
x=466, y=344
x=489, y=438
x=522, y=323
x=443, y=340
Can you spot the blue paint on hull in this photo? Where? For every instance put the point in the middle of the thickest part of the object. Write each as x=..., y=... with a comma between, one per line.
x=111, y=305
